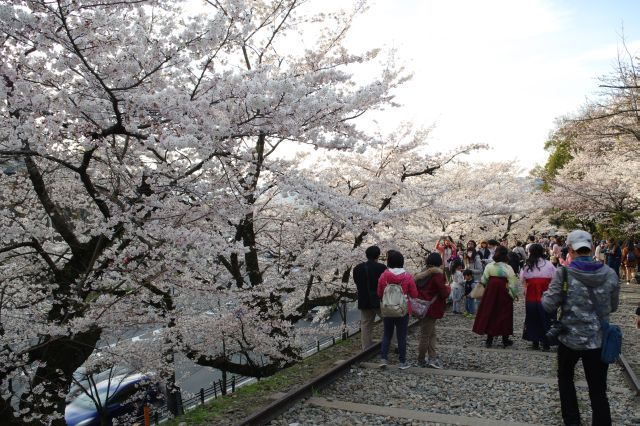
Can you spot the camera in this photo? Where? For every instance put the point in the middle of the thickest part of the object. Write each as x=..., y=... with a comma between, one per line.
x=554, y=332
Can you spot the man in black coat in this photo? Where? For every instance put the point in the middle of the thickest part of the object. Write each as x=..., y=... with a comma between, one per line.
x=366, y=275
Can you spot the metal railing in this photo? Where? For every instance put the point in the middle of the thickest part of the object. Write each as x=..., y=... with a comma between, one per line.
x=156, y=415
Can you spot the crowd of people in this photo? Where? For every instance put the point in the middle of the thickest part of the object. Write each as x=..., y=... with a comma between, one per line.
x=572, y=282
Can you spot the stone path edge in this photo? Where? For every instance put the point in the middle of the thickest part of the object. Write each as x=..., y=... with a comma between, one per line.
x=410, y=414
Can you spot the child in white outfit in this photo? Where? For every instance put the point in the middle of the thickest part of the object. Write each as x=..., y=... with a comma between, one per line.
x=457, y=287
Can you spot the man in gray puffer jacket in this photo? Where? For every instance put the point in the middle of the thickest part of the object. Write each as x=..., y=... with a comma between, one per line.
x=582, y=334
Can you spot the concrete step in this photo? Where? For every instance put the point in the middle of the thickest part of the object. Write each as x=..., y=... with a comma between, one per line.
x=410, y=414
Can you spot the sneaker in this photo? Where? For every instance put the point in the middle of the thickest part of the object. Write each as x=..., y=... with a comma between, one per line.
x=435, y=363
x=422, y=363
x=383, y=363
x=403, y=366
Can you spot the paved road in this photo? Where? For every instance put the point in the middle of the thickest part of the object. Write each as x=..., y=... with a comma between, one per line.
x=191, y=377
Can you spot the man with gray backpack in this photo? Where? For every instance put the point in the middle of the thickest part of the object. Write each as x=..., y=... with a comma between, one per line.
x=394, y=286
x=586, y=292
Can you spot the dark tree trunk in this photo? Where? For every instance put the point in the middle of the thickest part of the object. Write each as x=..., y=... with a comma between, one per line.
x=63, y=356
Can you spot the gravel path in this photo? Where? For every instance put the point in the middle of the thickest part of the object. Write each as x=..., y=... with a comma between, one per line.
x=491, y=399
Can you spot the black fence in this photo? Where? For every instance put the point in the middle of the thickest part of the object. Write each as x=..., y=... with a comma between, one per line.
x=158, y=414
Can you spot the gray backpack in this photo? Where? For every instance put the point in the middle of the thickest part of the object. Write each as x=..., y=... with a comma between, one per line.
x=394, y=302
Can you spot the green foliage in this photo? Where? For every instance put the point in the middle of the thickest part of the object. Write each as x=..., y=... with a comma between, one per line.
x=612, y=227
x=559, y=148
x=566, y=220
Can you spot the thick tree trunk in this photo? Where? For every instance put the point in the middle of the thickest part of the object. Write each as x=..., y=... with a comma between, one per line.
x=7, y=414
x=61, y=358
x=252, y=263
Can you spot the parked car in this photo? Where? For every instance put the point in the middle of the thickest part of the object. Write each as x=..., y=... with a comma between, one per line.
x=121, y=395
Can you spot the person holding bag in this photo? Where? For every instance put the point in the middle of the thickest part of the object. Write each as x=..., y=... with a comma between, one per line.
x=495, y=313
x=590, y=294
x=432, y=286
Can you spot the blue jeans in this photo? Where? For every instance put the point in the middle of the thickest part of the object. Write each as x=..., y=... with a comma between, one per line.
x=401, y=326
x=470, y=305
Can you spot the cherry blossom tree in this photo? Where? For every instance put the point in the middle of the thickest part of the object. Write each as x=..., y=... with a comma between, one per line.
x=592, y=172
x=200, y=176
x=598, y=189
x=137, y=138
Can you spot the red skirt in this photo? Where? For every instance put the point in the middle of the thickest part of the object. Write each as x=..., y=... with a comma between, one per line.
x=495, y=313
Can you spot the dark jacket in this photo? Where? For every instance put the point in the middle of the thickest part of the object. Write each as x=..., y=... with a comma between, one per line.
x=485, y=255
x=368, y=285
x=431, y=282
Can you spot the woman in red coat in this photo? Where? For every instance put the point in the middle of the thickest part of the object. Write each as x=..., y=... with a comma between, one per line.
x=431, y=283
x=495, y=313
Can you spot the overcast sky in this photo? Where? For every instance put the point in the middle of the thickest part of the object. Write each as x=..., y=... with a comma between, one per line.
x=498, y=71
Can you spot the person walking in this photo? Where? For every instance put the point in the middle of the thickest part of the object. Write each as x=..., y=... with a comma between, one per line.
x=536, y=276
x=521, y=252
x=600, y=254
x=530, y=240
x=431, y=283
x=629, y=261
x=614, y=256
x=592, y=292
x=395, y=274
x=366, y=275
x=495, y=313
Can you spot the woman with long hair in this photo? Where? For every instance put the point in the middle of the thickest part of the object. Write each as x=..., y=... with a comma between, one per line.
x=473, y=260
x=536, y=276
x=495, y=313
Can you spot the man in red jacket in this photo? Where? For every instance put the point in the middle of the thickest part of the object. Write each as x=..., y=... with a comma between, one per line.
x=431, y=283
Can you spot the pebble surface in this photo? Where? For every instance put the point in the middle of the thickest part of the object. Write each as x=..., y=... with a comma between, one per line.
x=460, y=349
